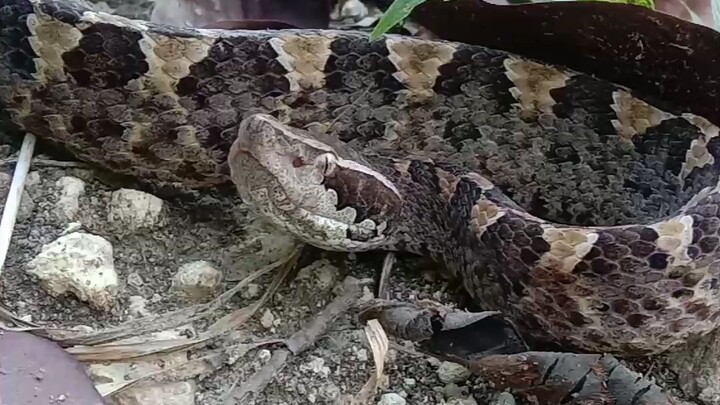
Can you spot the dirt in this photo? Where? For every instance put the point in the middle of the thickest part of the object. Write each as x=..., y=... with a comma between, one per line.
x=212, y=228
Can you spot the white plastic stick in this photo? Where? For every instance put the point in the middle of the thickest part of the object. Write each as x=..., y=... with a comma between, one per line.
x=12, y=202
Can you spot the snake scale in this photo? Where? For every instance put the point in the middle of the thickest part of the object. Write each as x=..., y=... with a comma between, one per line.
x=587, y=214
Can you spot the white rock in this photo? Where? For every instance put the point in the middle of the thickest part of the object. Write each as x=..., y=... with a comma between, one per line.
x=264, y=355
x=136, y=306
x=361, y=354
x=133, y=210
x=81, y=264
x=70, y=189
x=410, y=382
x=317, y=366
x=391, y=398
x=176, y=393
x=354, y=9
x=267, y=319
x=449, y=372
x=504, y=398
x=197, y=280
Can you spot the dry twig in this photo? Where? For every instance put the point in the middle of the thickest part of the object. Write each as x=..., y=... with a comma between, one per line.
x=298, y=342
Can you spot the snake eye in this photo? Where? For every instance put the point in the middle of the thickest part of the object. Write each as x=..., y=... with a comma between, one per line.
x=326, y=163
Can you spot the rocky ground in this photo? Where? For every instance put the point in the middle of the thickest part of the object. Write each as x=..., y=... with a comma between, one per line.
x=89, y=254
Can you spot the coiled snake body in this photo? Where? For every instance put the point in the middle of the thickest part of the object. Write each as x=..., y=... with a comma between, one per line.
x=450, y=150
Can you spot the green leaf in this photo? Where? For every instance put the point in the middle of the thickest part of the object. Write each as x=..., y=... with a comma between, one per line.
x=398, y=11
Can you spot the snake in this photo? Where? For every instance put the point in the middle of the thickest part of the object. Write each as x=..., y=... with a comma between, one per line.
x=584, y=211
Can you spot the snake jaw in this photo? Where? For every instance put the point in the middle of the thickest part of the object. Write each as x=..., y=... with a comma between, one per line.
x=309, y=188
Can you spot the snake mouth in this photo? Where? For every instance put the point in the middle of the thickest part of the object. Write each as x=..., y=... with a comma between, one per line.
x=302, y=217
x=303, y=186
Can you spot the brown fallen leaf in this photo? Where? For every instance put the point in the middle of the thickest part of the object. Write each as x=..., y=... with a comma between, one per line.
x=489, y=346
x=438, y=329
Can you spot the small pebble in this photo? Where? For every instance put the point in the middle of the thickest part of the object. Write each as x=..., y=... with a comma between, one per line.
x=462, y=401
x=267, y=319
x=449, y=372
x=361, y=355
x=136, y=306
x=264, y=355
x=135, y=280
x=317, y=366
x=504, y=398
x=197, y=281
x=354, y=9
x=251, y=291
x=132, y=210
x=68, y=202
x=391, y=398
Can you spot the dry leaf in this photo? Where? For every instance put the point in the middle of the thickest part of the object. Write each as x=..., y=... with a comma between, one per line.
x=379, y=345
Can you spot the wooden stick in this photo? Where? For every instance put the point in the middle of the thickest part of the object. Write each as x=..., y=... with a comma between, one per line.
x=12, y=202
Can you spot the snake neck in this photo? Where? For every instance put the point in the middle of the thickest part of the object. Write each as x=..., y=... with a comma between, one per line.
x=445, y=213
x=440, y=201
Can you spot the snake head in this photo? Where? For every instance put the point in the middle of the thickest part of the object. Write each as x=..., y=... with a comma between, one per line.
x=317, y=189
